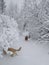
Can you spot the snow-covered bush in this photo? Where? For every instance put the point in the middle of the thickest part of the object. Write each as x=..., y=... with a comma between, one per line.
x=44, y=19
x=9, y=33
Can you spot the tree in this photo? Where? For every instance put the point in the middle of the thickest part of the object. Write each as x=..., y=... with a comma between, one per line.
x=9, y=32
x=29, y=17
x=12, y=10
x=2, y=6
x=33, y=18
x=26, y=13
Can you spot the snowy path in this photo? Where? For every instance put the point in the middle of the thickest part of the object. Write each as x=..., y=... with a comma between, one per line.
x=31, y=54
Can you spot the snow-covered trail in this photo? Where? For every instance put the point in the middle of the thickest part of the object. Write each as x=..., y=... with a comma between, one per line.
x=31, y=53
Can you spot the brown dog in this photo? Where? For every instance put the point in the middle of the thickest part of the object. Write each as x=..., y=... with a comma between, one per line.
x=27, y=37
x=14, y=51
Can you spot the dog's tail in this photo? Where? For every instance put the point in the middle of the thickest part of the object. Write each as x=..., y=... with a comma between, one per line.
x=18, y=49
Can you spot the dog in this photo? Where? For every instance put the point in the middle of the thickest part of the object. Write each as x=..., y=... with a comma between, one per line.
x=27, y=38
x=12, y=50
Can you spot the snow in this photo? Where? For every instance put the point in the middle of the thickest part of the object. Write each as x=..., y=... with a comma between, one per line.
x=32, y=53
x=25, y=33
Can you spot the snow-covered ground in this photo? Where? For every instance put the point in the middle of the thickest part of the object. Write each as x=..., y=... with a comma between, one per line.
x=32, y=53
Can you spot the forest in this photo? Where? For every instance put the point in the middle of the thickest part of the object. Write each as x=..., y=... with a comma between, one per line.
x=25, y=30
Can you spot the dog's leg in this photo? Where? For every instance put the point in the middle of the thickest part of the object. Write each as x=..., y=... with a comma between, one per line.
x=13, y=54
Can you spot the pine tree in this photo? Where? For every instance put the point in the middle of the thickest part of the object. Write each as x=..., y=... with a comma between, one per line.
x=2, y=6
